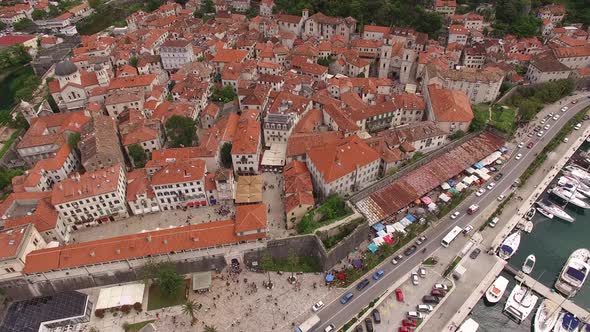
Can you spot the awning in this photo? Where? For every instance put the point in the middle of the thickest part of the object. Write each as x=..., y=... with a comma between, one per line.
x=114, y=297
x=469, y=170
x=400, y=228
x=357, y=263
x=330, y=278
x=451, y=182
x=426, y=200
x=381, y=233
x=432, y=206
x=378, y=227
x=443, y=197
x=445, y=186
x=477, y=165
x=388, y=239
x=190, y=204
x=378, y=241
x=201, y=280
x=455, y=191
x=372, y=247
x=411, y=217
x=390, y=229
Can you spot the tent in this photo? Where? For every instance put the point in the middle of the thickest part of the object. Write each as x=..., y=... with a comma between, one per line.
x=467, y=180
x=482, y=175
x=399, y=227
x=445, y=186
x=426, y=200
x=443, y=197
x=460, y=187
x=455, y=191
x=469, y=170
x=114, y=297
x=451, y=182
x=387, y=239
x=378, y=227
x=329, y=278
x=390, y=229
x=432, y=206
x=381, y=233
x=405, y=222
x=372, y=247
x=411, y=218
x=341, y=276
x=477, y=165
x=378, y=241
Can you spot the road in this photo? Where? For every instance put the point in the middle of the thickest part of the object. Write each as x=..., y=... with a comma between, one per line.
x=339, y=314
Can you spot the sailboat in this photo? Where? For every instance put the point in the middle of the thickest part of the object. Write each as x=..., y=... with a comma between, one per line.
x=509, y=246
x=529, y=264
x=555, y=210
x=569, y=197
x=546, y=316
x=567, y=322
x=545, y=212
x=496, y=290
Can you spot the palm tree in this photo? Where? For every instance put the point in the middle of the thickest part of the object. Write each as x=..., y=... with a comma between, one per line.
x=189, y=308
x=210, y=328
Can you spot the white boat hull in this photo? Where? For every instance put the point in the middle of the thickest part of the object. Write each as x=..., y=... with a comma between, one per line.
x=495, y=292
x=529, y=264
x=546, y=316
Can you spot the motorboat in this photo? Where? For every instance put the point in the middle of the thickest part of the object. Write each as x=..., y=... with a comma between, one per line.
x=574, y=273
x=496, y=290
x=578, y=185
x=525, y=225
x=468, y=326
x=529, y=264
x=530, y=214
x=569, y=197
x=520, y=303
x=567, y=322
x=545, y=212
x=509, y=246
x=546, y=316
x=555, y=210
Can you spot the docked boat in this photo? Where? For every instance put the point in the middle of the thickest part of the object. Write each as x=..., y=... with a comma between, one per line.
x=496, y=290
x=525, y=225
x=520, y=303
x=529, y=264
x=572, y=191
x=578, y=173
x=569, y=197
x=530, y=214
x=546, y=316
x=509, y=246
x=545, y=212
x=468, y=326
x=574, y=273
x=567, y=322
x=578, y=185
x=555, y=210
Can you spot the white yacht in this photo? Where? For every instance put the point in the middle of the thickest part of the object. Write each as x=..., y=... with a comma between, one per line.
x=555, y=210
x=468, y=326
x=496, y=290
x=545, y=212
x=578, y=185
x=573, y=191
x=520, y=303
x=546, y=316
x=574, y=273
x=529, y=264
x=509, y=246
x=578, y=173
x=569, y=197
x=567, y=323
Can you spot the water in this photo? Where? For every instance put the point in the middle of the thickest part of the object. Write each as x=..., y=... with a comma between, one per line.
x=552, y=242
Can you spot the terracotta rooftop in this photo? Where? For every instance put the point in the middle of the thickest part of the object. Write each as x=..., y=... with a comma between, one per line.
x=450, y=105
x=250, y=217
x=11, y=240
x=180, y=171
x=89, y=184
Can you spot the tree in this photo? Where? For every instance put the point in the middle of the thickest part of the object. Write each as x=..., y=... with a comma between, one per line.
x=138, y=155
x=19, y=122
x=456, y=135
x=181, y=131
x=38, y=14
x=326, y=61
x=189, y=308
x=23, y=24
x=169, y=281
x=210, y=328
x=225, y=155
x=293, y=261
x=133, y=61
x=2, y=25
x=73, y=140
x=95, y=4
x=207, y=6
x=6, y=175
x=225, y=94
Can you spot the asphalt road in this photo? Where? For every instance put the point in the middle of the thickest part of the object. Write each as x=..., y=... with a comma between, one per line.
x=339, y=314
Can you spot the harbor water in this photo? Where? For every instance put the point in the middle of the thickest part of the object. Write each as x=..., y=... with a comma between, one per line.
x=552, y=242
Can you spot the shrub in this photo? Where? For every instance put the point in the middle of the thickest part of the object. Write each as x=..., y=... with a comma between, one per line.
x=99, y=313
x=126, y=308
x=137, y=306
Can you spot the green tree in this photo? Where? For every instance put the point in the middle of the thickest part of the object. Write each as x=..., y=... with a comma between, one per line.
x=19, y=122
x=38, y=14
x=169, y=281
x=210, y=328
x=189, y=308
x=326, y=61
x=2, y=25
x=138, y=155
x=456, y=135
x=207, y=6
x=13, y=56
x=23, y=24
x=293, y=261
x=95, y=4
x=133, y=61
x=225, y=155
x=6, y=176
x=181, y=131
x=73, y=140
x=225, y=94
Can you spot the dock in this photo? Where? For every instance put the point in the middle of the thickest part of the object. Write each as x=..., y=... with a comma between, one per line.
x=548, y=293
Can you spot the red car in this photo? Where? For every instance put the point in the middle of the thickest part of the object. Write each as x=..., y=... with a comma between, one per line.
x=399, y=295
x=409, y=323
x=405, y=329
x=530, y=145
x=438, y=292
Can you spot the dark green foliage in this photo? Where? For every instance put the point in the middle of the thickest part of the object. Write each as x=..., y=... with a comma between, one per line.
x=225, y=94
x=530, y=100
x=6, y=175
x=13, y=56
x=23, y=24
x=225, y=155
x=181, y=131
x=333, y=209
x=326, y=61
x=137, y=153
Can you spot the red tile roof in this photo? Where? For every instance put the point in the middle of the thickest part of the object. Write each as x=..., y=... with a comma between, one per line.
x=250, y=217
x=180, y=171
x=450, y=105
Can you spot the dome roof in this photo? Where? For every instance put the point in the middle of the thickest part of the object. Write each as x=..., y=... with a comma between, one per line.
x=65, y=68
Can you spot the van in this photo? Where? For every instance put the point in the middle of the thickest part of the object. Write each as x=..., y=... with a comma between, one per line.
x=493, y=222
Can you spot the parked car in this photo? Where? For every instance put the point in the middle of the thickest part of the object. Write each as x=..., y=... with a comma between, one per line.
x=405, y=329
x=345, y=298
x=467, y=229
x=555, y=117
x=480, y=192
x=378, y=274
x=543, y=120
x=429, y=299
x=317, y=306
x=550, y=115
x=415, y=278
x=539, y=134
x=424, y=308
x=547, y=127
x=438, y=292
x=578, y=126
x=410, y=250
x=498, y=176
x=396, y=259
x=455, y=215
x=537, y=128
x=491, y=185
x=359, y=328
x=369, y=324
x=421, y=240
x=399, y=295
x=494, y=222
x=574, y=101
x=329, y=328
x=376, y=316
x=361, y=285
x=520, y=145
x=409, y=322
x=530, y=145
x=441, y=287
x=501, y=197
x=531, y=134
x=415, y=315
x=422, y=272
x=518, y=156
x=475, y=253
x=565, y=108
x=565, y=139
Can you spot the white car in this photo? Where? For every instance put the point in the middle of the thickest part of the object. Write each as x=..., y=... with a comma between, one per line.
x=520, y=145
x=415, y=315
x=565, y=139
x=550, y=115
x=422, y=272
x=455, y=215
x=556, y=116
x=518, y=156
x=415, y=278
x=491, y=185
x=317, y=306
x=480, y=192
x=441, y=287
x=501, y=197
x=546, y=127
x=543, y=121
x=424, y=308
x=467, y=229
x=329, y=328
x=564, y=109
x=578, y=126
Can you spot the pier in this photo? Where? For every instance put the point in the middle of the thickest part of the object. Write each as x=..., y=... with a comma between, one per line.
x=548, y=293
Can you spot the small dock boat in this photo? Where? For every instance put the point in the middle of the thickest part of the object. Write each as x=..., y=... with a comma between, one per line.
x=529, y=264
